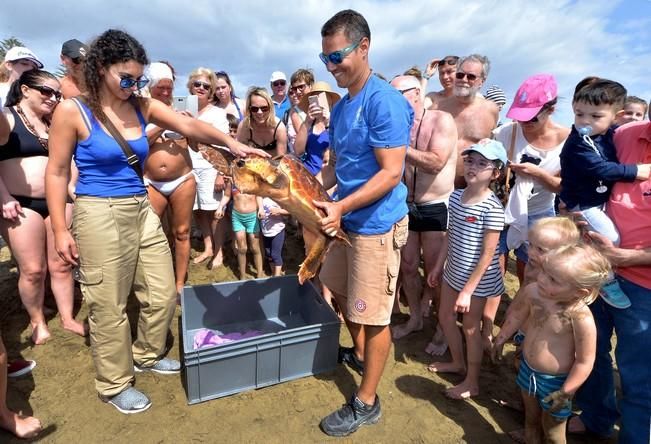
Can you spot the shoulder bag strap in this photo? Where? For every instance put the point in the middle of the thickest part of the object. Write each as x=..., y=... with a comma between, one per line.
x=514, y=130
x=132, y=158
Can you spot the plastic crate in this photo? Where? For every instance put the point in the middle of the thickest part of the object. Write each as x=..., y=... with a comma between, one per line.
x=301, y=335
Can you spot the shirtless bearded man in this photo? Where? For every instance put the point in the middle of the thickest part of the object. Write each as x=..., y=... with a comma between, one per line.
x=475, y=116
x=429, y=176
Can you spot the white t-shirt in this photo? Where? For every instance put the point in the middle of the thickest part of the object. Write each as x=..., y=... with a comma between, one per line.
x=216, y=117
x=271, y=225
x=541, y=199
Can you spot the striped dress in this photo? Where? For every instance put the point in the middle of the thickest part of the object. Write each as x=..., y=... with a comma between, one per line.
x=467, y=224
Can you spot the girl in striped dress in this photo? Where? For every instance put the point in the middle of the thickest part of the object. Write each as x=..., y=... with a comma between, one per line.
x=470, y=264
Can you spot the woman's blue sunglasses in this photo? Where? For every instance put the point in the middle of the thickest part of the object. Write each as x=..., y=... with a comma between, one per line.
x=128, y=82
x=338, y=56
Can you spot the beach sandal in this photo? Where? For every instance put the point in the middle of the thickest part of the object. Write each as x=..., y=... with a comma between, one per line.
x=20, y=367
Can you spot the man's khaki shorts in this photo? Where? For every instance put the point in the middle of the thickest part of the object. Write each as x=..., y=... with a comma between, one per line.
x=363, y=278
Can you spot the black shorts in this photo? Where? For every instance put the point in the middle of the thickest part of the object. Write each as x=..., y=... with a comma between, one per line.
x=428, y=217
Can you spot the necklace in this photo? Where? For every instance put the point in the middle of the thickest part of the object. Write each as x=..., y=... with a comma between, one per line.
x=42, y=140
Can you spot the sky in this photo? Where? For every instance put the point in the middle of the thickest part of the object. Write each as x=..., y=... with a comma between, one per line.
x=251, y=39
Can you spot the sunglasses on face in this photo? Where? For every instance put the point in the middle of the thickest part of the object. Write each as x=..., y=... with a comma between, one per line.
x=128, y=82
x=204, y=85
x=77, y=60
x=48, y=92
x=460, y=75
x=337, y=57
x=258, y=109
x=297, y=88
x=279, y=83
x=537, y=117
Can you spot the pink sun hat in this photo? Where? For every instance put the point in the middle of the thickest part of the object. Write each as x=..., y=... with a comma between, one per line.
x=532, y=95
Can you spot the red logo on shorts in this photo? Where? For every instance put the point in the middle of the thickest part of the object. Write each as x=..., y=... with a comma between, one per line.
x=471, y=219
x=360, y=305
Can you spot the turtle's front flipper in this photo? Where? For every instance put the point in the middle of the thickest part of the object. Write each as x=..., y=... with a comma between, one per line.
x=315, y=256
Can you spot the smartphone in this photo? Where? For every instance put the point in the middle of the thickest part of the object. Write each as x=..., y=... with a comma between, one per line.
x=313, y=100
x=186, y=103
x=322, y=100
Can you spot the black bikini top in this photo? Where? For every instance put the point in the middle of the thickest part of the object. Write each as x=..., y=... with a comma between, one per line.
x=21, y=143
x=268, y=147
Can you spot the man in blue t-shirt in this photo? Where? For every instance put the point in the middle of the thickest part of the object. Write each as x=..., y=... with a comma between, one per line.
x=369, y=134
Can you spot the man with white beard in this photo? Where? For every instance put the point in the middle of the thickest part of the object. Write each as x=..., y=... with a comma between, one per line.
x=475, y=116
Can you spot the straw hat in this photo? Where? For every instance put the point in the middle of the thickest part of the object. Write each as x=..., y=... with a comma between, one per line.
x=317, y=88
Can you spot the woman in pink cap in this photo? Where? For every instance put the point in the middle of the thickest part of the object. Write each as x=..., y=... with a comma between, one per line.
x=533, y=143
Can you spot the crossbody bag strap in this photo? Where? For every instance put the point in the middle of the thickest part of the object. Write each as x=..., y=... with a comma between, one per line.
x=132, y=158
x=514, y=130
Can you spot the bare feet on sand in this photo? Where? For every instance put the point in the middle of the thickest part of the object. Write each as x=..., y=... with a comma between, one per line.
x=402, y=330
x=40, y=333
x=21, y=426
x=438, y=345
x=202, y=257
x=446, y=367
x=462, y=391
x=78, y=328
x=216, y=261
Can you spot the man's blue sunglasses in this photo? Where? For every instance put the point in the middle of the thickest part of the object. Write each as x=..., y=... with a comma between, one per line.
x=128, y=82
x=338, y=56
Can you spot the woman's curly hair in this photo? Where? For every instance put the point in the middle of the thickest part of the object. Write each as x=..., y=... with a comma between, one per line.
x=113, y=46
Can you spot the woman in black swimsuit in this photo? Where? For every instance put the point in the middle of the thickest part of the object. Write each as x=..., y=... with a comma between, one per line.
x=260, y=127
x=25, y=222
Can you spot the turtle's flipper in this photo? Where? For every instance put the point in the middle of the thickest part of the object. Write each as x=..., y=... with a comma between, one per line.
x=315, y=256
x=219, y=158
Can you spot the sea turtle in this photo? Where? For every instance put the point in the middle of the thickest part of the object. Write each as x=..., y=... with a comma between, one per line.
x=290, y=184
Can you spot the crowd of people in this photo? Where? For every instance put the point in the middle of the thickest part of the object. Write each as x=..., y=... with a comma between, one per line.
x=102, y=181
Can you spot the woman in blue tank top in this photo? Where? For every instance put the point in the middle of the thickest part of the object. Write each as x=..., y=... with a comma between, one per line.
x=116, y=242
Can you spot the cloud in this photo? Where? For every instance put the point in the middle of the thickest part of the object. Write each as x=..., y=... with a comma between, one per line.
x=250, y=39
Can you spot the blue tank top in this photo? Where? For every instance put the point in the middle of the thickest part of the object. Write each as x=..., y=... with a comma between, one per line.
x=102, y=165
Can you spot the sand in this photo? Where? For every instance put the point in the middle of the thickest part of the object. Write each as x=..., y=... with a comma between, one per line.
x=61, y=393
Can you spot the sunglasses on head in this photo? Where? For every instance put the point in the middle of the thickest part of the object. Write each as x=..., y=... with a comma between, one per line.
x=404, y=91
x=337, y=57
x=279, y=83
x=48, y=92
x=460, y=75
x=128, y=82
x=449, y=61
x=204, y=85
x=258, y=109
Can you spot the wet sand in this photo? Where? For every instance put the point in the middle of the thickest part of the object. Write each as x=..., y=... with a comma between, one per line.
x=60, y=391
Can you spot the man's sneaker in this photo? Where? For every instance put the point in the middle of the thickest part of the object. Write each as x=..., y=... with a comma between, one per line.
x=347, y=355
x=129, y=401
x=165, y=366
x=20, y=367
x=613, y=295
x=350, y=417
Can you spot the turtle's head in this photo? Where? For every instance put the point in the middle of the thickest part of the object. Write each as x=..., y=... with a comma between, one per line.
x=253, y=172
